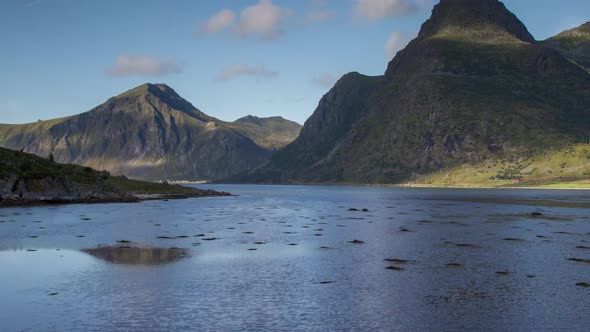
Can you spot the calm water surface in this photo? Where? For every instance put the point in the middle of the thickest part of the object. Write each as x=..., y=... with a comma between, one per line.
x=459, y=259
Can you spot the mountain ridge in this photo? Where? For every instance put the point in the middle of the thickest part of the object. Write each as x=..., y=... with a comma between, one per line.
x=457, y=97
x=148, y=132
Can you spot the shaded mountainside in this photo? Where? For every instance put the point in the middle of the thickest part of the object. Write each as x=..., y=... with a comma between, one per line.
x=474, y=86
x=29, y=179
x=149, y=132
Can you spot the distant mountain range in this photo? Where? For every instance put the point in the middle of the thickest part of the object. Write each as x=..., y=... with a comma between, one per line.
x=474, y=99
x=150, y=132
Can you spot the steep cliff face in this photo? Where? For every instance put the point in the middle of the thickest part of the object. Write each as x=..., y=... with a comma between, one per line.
x=473, y=86
x=312, y=153
x=149, y=132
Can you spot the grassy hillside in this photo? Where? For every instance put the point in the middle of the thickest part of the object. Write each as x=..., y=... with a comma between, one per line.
x=271, y=133
x=564, y=168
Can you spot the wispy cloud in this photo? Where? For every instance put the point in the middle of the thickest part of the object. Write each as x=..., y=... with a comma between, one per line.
x=395, y=43
x=144, y=65
x=325, y=80
x=263, y=20
x=374, y=10
x=234, y=71
x=320, y=15
x=222, y=20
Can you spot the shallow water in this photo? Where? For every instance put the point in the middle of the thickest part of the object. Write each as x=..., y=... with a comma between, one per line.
x=462, y=259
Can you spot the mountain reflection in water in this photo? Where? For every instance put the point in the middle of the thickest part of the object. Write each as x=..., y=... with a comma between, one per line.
x=137, y=256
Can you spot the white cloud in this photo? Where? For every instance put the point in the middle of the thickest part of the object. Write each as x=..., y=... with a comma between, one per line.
x=374, y=10
x=220, y=21
x=258, y=71
x=144, y=65
x=325, y=80
x=263, y=20
x=395, y=43
x=320, y=15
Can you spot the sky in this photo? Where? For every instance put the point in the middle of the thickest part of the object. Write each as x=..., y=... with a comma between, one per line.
x=230, y=58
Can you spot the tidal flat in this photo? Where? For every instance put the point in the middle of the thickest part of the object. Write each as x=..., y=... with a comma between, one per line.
x=301, y=258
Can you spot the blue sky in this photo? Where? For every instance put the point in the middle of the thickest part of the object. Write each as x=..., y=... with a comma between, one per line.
x=230, y=58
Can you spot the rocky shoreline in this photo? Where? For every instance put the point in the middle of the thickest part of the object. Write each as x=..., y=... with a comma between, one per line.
x=36, y=199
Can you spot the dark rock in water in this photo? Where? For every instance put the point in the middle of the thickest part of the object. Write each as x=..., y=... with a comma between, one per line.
x=123, y=241
x=502, y=273
x=80, y=236
x=325, y=248
x=583, y=247
x=583, y=284
x=259, y=242
x=396, y=260
x=317, y=234
x=247, y=232
x=531, y=276
x=466, y=245
x=356, y=242
x=33, y=237
x=395, y=268
x=454, y=265
x=579, y=260
x=425, y=221
x=209, y=239
x=403, y=229
x=514, y=239
x=293, y=244
x=252, y=249
x=53, y=294
x=353, y=209
x=326, y=282
x=536, y=214
x=365, y=210
x=31, y=249
x=136, y=255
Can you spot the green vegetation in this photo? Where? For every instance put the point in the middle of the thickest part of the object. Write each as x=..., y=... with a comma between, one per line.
x=565, y=168
x=37, y=170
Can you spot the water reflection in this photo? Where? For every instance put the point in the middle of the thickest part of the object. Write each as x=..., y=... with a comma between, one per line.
x=137, y=256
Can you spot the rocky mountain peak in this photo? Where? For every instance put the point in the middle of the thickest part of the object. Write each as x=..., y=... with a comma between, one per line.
x=162, y=94
x=484, y=20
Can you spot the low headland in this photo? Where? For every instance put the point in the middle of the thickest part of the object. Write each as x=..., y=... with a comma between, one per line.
x=26, y=179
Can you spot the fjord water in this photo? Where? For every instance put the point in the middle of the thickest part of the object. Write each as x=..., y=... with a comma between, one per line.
x=459, y=259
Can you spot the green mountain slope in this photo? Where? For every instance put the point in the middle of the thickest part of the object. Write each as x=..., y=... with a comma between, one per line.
x=271, y=133
x=149, y=132
x=473, y=87
x=574, y=44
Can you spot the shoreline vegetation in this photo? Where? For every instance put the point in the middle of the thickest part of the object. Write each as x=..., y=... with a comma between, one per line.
x=26, y=180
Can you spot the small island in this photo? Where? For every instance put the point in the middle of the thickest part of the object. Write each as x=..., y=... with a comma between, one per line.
x=26, y=179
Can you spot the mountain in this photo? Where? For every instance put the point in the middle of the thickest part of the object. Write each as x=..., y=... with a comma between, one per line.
x=573, y=44
x=149, y=132
x=29, y=179
x=474, y=88
x=272, y=133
